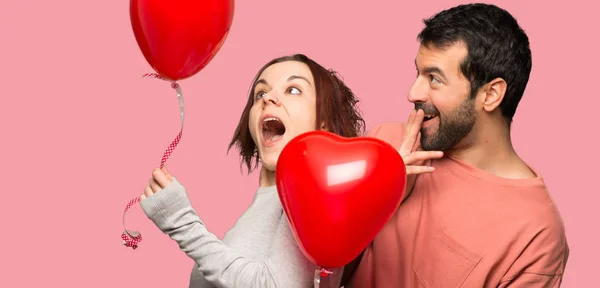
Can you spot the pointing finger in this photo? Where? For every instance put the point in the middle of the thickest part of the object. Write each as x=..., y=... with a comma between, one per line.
x=415, y=128
x=412, y=132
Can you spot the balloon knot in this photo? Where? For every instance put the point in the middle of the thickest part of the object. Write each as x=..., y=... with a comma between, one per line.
x=174, y=84
x=325, y=272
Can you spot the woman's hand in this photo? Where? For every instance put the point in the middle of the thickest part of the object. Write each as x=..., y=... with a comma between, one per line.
x=161, y=178
x=411, y=152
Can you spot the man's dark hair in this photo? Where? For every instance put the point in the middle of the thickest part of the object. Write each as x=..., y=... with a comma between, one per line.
x=497, y=47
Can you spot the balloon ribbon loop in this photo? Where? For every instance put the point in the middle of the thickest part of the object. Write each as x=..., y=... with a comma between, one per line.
x=133, y=238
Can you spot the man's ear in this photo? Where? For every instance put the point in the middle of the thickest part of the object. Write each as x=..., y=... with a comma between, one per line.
x=493, y=93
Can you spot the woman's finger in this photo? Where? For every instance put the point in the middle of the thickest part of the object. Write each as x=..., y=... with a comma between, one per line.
x=414, y=170
x=160, y=178
x=419, y=156
x=168, y=174
x=154, y=185
x=147, y=191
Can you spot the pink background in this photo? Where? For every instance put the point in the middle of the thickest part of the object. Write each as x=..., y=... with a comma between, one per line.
x=81, y=130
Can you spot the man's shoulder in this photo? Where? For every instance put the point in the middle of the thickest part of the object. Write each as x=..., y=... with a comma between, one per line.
x=390, y=132
x=545, y=226
x=532, y=205
x=546, y=250
x=535, y=205
x=550, y=224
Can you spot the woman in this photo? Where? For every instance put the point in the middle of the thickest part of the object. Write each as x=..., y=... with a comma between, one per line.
x=290, y=95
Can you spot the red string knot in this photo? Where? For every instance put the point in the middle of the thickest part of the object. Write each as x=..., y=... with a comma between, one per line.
x=325, y=272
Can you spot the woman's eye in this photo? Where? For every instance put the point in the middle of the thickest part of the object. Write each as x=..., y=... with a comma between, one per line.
x=293, y=90
x=260, y=94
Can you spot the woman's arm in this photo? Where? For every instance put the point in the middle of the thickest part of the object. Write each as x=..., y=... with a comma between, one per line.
x=220, y=264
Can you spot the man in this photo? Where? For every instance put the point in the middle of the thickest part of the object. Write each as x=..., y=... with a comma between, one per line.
x=483, y=218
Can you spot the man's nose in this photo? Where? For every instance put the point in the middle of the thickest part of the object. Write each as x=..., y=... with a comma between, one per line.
x=418, y=92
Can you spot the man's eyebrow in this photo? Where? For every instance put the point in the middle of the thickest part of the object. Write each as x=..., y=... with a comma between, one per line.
x=432, y=70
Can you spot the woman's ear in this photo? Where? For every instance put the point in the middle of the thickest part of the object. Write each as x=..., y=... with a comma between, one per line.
x=323, y=126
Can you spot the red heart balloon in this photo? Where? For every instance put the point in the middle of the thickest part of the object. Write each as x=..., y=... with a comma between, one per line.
x=179, y=37
x=338, y=193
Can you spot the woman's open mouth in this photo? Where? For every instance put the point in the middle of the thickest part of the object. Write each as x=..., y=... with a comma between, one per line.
x=272, y=131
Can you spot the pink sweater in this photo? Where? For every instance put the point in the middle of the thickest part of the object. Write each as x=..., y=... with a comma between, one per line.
x=463, y=227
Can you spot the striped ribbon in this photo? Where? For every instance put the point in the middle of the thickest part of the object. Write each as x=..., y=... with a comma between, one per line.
x=133, y=238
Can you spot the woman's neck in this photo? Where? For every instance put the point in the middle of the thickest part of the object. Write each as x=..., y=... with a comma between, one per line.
x=267, y=178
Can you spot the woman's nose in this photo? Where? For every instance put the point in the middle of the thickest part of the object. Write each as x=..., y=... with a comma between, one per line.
x=271, y=98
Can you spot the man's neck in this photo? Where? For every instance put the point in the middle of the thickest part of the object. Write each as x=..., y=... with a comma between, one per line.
x=489, y=148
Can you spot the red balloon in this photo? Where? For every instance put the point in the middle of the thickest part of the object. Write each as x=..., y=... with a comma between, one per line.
x=338, y=193
x=179, y=37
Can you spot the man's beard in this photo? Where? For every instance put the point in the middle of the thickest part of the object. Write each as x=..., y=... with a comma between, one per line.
x=452, y=127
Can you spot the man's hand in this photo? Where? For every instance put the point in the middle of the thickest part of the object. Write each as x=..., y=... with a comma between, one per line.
x=411, y=152
x=161, y=178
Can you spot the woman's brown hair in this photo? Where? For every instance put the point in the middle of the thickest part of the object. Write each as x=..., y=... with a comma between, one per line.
x=336, y=108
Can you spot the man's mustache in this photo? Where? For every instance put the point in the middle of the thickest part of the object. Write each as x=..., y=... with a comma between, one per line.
x=428, y=109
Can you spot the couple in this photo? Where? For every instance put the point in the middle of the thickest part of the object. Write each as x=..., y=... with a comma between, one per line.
x=482, y=218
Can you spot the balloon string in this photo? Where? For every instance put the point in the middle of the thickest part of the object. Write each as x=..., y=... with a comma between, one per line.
x=133, y=238
x=319, y=274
